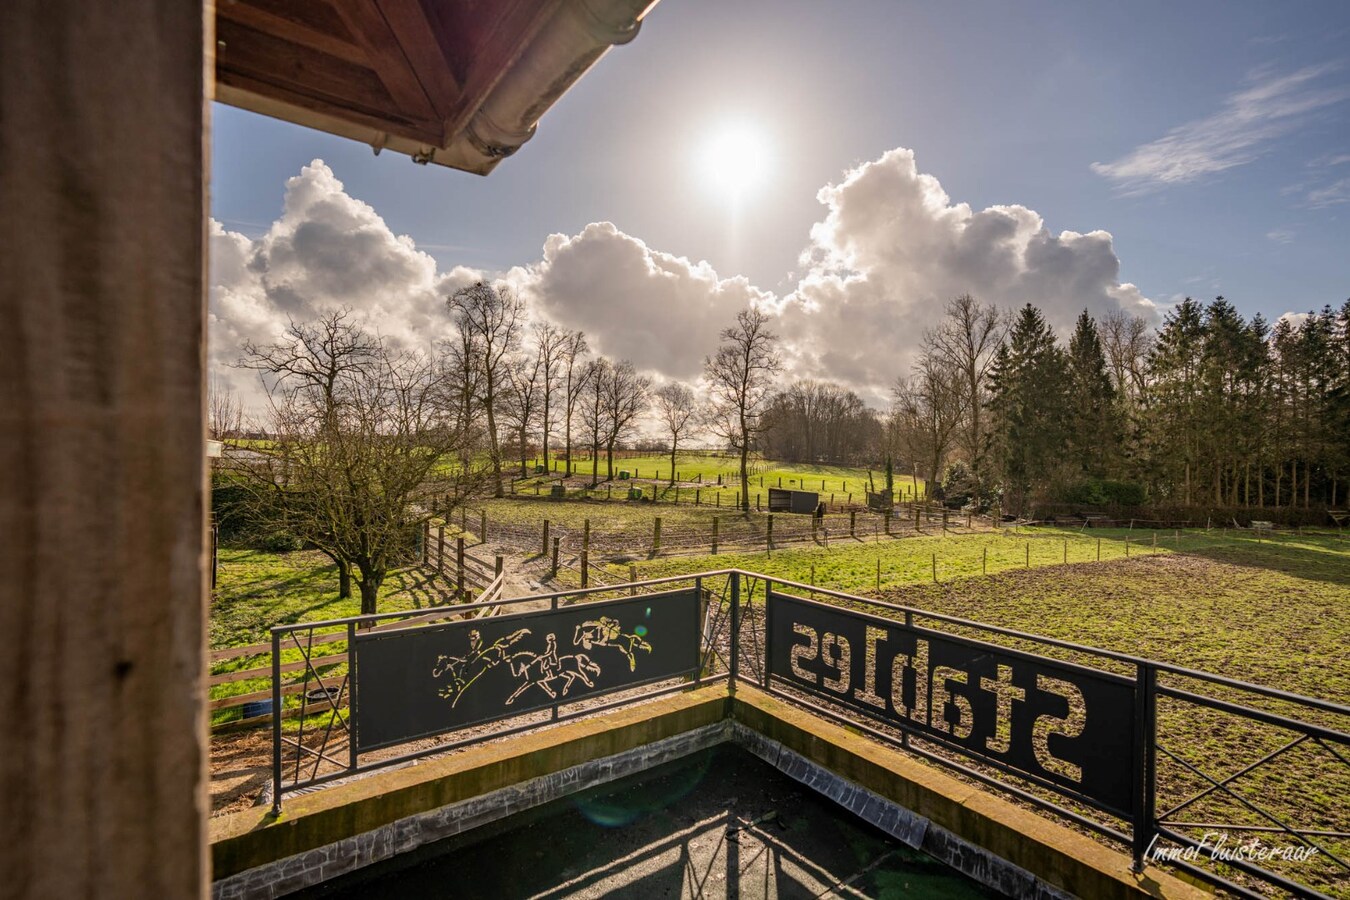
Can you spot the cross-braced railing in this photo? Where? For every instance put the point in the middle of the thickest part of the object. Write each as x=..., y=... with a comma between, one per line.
x=1244, y=786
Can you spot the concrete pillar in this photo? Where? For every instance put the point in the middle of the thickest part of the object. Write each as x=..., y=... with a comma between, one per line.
x=103, y=131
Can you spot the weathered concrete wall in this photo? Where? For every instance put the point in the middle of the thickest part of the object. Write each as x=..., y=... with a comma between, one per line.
x=102, y=516
x=992, y=840
x=340, y=829
x=315, y=866
x=250, y=839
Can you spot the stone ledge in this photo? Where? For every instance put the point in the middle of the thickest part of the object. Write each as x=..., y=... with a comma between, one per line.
x=252, y=838
x=969, y=828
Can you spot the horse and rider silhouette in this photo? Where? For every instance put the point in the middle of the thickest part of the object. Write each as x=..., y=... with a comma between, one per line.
x=607, y=632
x=465, y=670
x=551, y=673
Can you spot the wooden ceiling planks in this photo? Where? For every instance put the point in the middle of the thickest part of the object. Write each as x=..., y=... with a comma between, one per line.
x=413, y=75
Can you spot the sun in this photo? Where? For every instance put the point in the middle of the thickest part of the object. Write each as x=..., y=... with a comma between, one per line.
x=735, y=159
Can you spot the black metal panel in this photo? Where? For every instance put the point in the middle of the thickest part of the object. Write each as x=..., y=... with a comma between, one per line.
x=423, y=681
x=1067, y=724
x=784, y=500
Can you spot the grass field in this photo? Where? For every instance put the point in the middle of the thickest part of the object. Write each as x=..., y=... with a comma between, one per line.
x=257, y=590
x=710, y=475
x=1272, y=612
x=1218, y=602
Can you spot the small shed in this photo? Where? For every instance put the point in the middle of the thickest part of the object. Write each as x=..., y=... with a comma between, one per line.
x=783, y=500
x=880, y=501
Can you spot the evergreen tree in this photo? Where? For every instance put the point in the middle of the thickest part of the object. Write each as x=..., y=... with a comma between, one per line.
x=1094, y=426
x=1027, y=408
x=1174, y=369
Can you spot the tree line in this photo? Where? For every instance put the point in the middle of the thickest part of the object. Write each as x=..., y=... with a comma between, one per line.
x=362, y=439
x=1211, y=409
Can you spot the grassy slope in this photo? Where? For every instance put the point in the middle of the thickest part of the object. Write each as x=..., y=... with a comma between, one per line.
x=1221, y=605
x=704, y=471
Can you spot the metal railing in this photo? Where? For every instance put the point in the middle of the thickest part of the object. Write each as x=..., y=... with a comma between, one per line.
x=1210, y=762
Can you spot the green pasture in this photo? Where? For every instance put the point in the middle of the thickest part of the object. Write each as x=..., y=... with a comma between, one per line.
x=704, y=470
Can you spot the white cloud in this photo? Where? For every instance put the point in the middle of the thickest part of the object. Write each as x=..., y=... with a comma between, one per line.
x=888, y=253
x=893, y=249
x=1238, y=133
x=1281, y=236
x=661, y=311
x=1329, y=195
x=327, y=250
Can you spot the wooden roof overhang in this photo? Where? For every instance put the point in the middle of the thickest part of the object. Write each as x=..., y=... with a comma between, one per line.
x=461, y=83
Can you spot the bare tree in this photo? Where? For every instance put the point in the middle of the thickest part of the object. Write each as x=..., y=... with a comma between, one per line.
x=740, y=378
x=1127, y=342
x=964, y=343
x=357, y=431
x=927, y=410
x=678, y=412
x=225, y=413
x=550, y=347
x=625, y=397
x=306, y=375
x=488, y=318
x=594, y=409
x=574, y=379
x=525, y=376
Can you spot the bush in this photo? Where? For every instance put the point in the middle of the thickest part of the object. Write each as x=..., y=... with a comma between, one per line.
x=1103, y=492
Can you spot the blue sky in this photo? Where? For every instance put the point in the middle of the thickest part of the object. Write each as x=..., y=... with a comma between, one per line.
x=1220, y=134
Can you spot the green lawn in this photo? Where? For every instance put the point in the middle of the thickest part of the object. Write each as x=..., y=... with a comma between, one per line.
x=718, y=473
x=257, y=590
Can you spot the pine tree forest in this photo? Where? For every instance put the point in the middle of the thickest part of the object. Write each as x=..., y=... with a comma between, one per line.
x=1211, y=410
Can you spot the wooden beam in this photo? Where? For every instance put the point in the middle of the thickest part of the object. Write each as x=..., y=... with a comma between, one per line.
x=513, y=33
x=416, y=34
x=103, y=205
x=258, y=19
x=385, y=57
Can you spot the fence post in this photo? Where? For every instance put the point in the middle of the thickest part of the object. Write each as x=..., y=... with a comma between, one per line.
x=878, y=574
x=917, y=513
x=1145, y=761
x=632, y=577
x=757, y=506
x=1028, y=554
x=714, y=536
x=718, y=498
x=1099, y=549
x=586, y=535
x=556, y=541
x=498, y=564
x=426, y=543
x=585, y=568
x=459, y=565
x=482, y=527
x=984, y=562
x=276, y=721
x=853, y=523
x=934, y=568
x=735, y=666
x=888, y=523
x=944, y=520
x=768, y=534
x=1066, y=552
x=440, y=549
x=545, y=550
x=698, y=498
x=656, y=534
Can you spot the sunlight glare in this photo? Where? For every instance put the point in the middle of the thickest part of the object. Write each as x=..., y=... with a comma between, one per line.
x=735, y=159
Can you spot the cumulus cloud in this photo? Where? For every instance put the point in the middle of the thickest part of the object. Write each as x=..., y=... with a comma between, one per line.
x=890, y=250
x=893, y=249
x=664, y=312
x=1270, y=107
x=327, y=250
